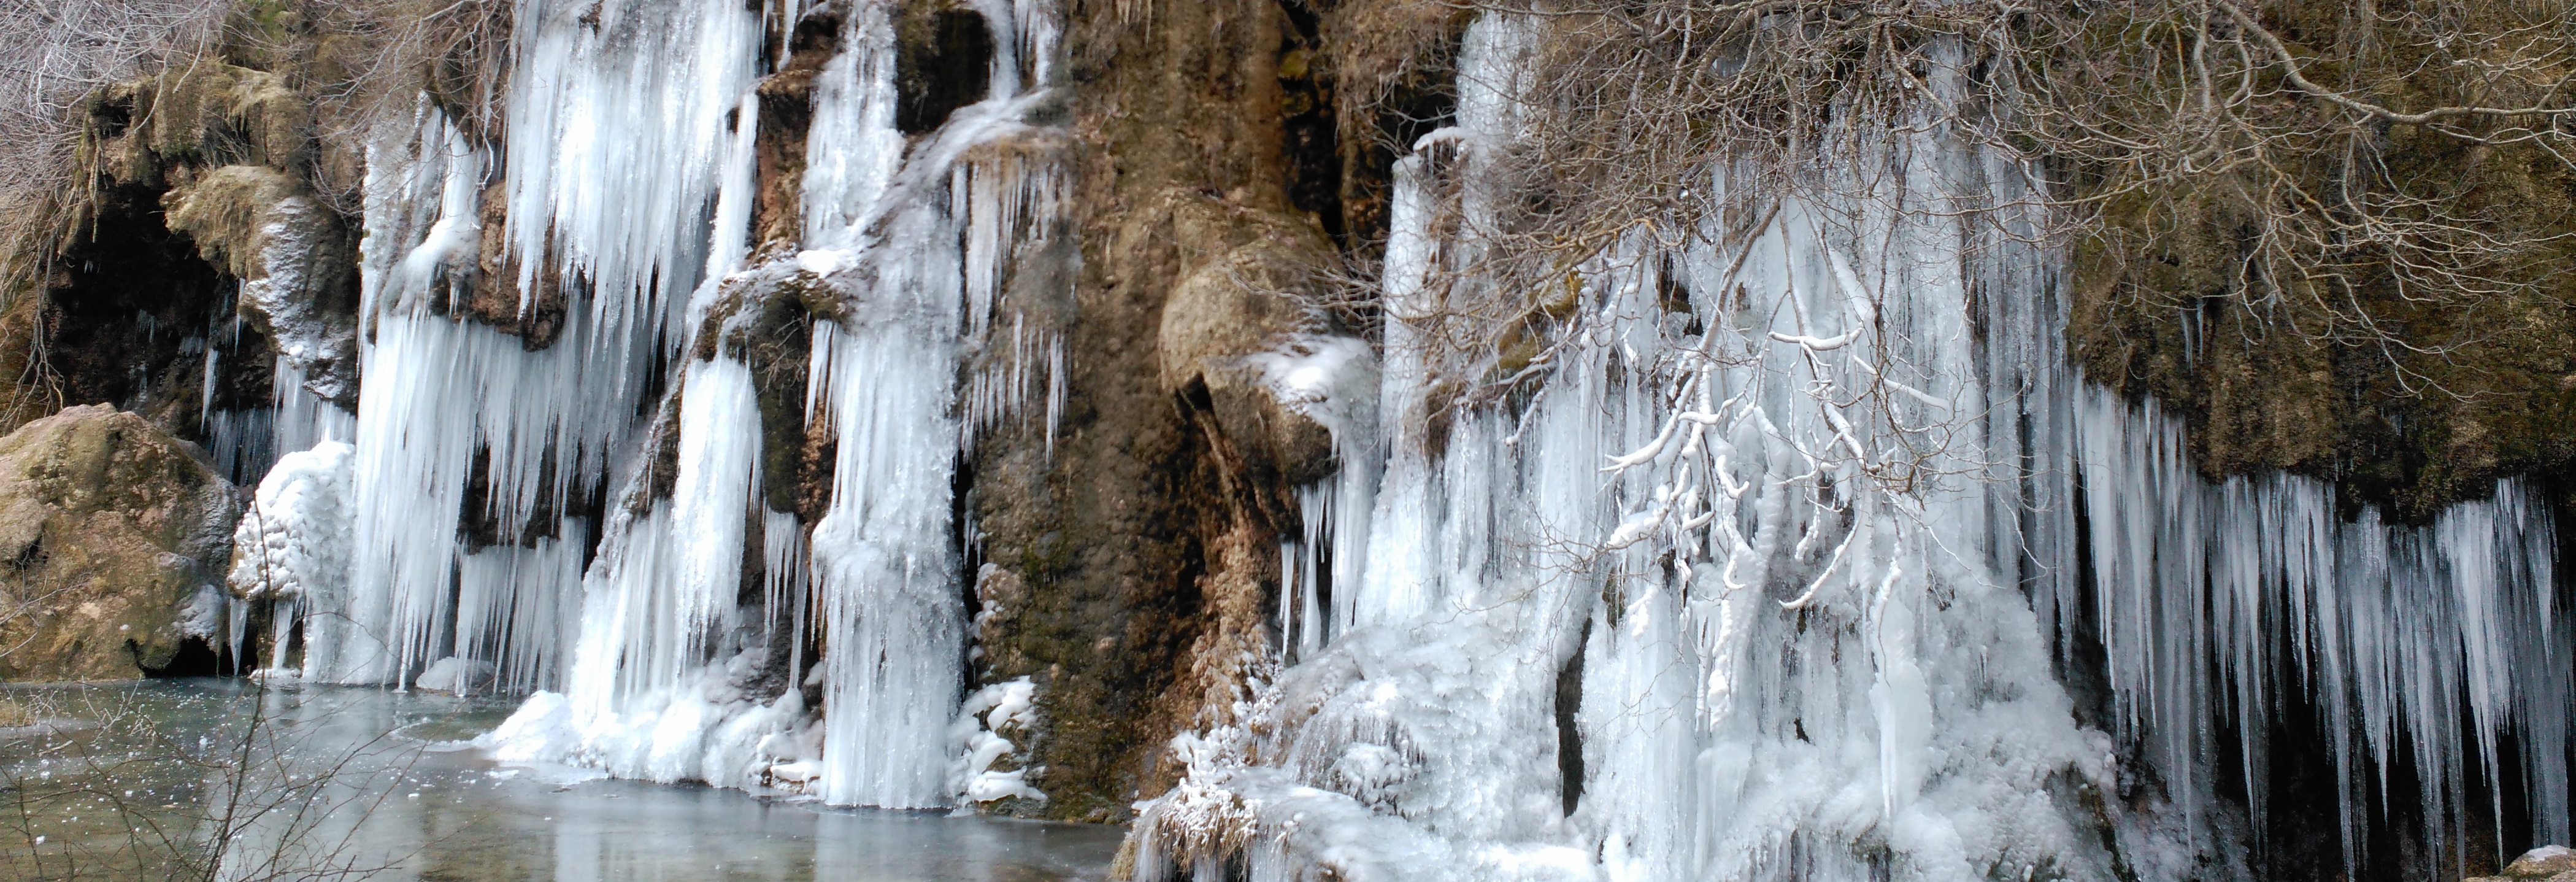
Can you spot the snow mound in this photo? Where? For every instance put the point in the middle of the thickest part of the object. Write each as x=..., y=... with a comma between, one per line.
x=295, y=539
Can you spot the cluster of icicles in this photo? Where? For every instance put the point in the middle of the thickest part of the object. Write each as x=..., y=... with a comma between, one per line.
x=1781, y=583
x=1777, y=583
x=629, y=174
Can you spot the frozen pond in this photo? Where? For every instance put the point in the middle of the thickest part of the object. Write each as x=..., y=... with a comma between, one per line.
x=143, y=780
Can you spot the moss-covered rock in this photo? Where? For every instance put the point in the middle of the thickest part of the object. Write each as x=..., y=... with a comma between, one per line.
x=109, y=528
x=2412, y=370
x=211, y=114
x=297, y=264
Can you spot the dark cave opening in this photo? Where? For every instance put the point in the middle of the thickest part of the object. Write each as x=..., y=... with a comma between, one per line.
x=943, y=61
x=133, y=315
x=195, y=658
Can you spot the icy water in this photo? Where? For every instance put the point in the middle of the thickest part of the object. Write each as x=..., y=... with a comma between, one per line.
x=140, y=780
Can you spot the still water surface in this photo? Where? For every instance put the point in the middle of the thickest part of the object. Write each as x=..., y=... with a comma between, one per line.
x=139, y=780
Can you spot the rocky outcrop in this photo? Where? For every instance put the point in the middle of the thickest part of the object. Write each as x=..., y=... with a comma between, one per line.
x=198, y=255
x=1134, y=558
x=2548, y=863
x=110, y=531
x=293, y=258
x=1254, y=290
x=198, y=116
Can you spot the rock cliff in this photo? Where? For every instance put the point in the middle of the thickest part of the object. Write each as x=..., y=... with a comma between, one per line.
x=1139, y=468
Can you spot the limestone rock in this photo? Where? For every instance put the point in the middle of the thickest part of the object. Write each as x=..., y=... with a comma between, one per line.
x=2548, y=863
x=1254, y=291
x=294, y=260
x=110, y=529
x=457, y=676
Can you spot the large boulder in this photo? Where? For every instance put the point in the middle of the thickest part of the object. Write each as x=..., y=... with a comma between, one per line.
x=2548, y=863
x=1245, y=314
x=111, y=532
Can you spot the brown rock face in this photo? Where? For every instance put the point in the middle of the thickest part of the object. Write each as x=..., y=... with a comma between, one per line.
x=490, y=292
x=196, y=254
x=1132, y=571
x=109, y=528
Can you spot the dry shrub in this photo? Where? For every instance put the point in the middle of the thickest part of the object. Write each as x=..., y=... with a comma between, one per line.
x=53, y=54
x=305, y=81
x=2317, y=164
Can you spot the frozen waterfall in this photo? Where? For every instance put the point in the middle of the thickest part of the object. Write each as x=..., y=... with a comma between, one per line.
x=1783, y=563
x=1777, y=573
x=1754, y=555
x=486, y=459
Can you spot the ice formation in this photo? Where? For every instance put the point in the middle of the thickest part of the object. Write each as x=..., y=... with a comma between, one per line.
x=629, y=124
x=1776, y=584
x=479, y=455
x=292, y=550
x=924, y=268
x=1770, y=576
x=979, y=740
x=294, y=539
x=461, y=676
x=2423, y=649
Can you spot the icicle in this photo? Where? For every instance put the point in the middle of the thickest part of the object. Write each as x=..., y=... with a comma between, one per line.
x=618, y=122
x=784, y=576
x=888, y=581
x=237, y=613
x=303, y=419
x=719, y=466
x=442, y=398
x=2399, y=634
x=515, y=607
x=283, y=617
x=1803, y=633
x=205, y=384
x=852, y=148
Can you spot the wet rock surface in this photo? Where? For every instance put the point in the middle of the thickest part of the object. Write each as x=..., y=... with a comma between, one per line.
x=1133, y=558
x=295, y=262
